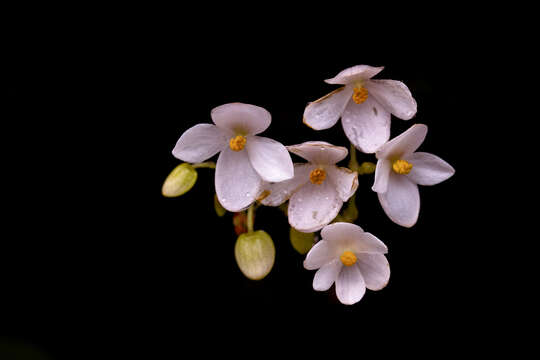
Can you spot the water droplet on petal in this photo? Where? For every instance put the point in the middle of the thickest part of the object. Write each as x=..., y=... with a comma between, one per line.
x=247, y=194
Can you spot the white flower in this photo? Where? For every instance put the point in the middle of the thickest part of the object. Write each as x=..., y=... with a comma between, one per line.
x=244, y=160
x=351, y=258
x=317, y=190
x=400, y=169
x=364, y=106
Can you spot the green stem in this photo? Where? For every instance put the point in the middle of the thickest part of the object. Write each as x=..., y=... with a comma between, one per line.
x=208, y=164
x=250, y=218
x=353, y=163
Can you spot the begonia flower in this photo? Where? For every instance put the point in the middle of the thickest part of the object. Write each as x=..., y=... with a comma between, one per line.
x=400, y=170
x=318, y=189
x=351, y=258
x=364, y=106
x=244, y=158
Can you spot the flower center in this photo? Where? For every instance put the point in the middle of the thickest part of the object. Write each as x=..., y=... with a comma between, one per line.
x=402, y=167
x=360, y=94
x=317, y=176
x=348, y=258
x=237, y=143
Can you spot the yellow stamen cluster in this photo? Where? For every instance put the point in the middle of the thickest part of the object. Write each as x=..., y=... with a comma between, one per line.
x=317, y=176
x=237, y=143
x=348, y=258
x=360, y=95
x=402, y=167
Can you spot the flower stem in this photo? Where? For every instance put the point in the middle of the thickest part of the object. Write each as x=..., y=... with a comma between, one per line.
x=208, y=164
x=353, y=163
x=250, y=221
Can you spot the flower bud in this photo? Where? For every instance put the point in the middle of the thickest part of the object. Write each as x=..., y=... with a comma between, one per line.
x=220, y=210
x=255, y=254
x=366, y=168
x=301, y=242
x=179, y=181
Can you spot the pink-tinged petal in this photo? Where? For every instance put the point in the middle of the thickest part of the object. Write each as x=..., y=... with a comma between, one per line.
x=355, y=73
x=367, y=125
x=241, y=118
x=428, y=169
x=345, y=181
x=351, y=237
x=313, y=206
x=326, y=111
x=320, y=254
x=200, y=142
x=382, y=173
x=395, y=96
x=350, y=285
x=401, y=201
x=404, y=144
x=375, y=270
x=369, y=244
x=327, y=275
x=279, y=192
x=269, y=158
x=237, y=183
x=319, y=152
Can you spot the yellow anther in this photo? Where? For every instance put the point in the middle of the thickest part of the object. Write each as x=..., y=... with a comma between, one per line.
x=237, y=143
x=317, y=176
x=348, y=258
x=402, y=167
x=360, y=95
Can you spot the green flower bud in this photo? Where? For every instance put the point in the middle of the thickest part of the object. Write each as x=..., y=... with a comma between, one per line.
x=366, y=168
x=220, y=210
x=301, y=242
x=179, y=181
x=255, y=254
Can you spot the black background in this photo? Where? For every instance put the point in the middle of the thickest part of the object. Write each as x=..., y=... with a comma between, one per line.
x=96, y=261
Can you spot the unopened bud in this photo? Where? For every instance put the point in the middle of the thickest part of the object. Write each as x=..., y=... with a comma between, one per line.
x=179, y=181
x=255, y=254
x=366, y=168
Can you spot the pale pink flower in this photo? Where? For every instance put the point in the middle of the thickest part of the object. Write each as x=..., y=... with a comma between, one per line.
x=400, y=170
x=245, y=160
x=351, y=258
x=317, y=190
x=364, y=105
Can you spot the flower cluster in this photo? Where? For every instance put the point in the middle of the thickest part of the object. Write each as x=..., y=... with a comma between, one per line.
x=253, y=170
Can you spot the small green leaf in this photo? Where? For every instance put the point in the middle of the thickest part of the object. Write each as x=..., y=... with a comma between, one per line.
x=255, y=254
x=301, y=242
x=179, y=181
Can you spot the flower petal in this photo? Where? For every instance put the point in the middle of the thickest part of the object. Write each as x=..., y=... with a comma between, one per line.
x=395, y=96
x=237, y=183
x=326, y=111
x=382, y=173
x=367, y=125
x=269, y=158
x=345, y=181
x=404, y=144
x=375, y=270
x=319, y=152
x=280, y=192
x=351, y=236
x=313, y=206
x=200, y=142
x=355, y=73
x=428, y=169
x=241, y=118
x=327, y=275
x=320, y=254
x=401, y=201
x=350, y=285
